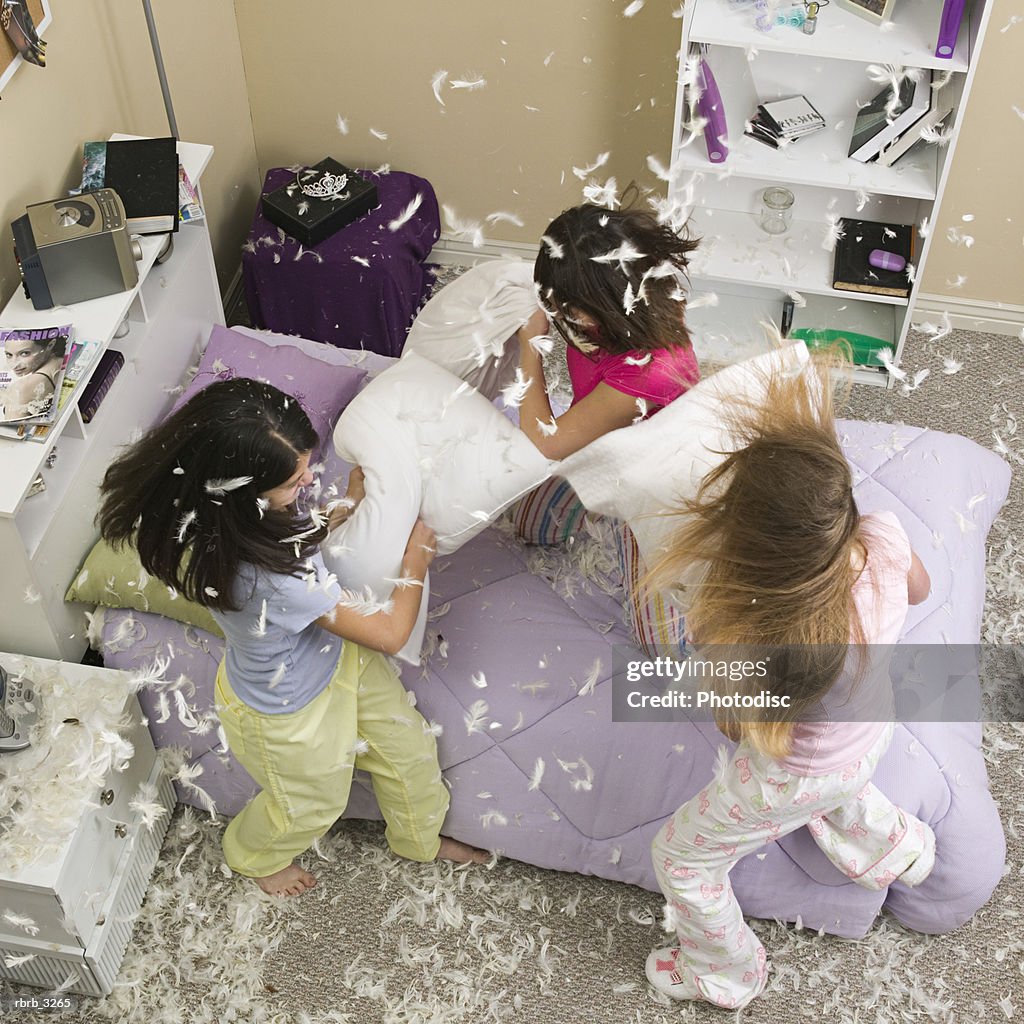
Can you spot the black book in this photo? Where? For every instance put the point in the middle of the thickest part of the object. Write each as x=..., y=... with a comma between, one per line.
x=852, y=269
x=144, y=173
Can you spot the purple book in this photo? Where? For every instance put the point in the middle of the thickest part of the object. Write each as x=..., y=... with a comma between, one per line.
x=99, y=384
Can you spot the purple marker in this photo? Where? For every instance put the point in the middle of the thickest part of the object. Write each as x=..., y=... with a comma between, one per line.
x=949, y=27
x=711, y=109
x=885, y=260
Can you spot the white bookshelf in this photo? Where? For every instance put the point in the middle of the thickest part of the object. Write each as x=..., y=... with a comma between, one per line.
x=748, y=272
x=44, y=537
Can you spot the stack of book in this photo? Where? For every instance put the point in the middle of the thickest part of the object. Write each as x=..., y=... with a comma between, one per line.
x=783, y=121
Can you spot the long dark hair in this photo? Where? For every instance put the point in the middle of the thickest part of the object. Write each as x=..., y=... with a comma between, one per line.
x=572, y=278
x=188, y=493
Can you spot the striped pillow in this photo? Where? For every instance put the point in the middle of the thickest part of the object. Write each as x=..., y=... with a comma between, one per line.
x=549, y=514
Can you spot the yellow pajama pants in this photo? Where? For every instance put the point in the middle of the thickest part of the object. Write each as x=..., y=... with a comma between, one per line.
x=303, y=762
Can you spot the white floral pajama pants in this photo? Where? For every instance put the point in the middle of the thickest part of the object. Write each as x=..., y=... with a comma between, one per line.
x=751, y=801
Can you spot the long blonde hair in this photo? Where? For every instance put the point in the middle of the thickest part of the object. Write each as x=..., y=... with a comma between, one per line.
x=771, y=544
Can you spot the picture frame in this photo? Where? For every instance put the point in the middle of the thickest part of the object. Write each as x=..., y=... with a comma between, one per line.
x=876, y=11
x=10, y=59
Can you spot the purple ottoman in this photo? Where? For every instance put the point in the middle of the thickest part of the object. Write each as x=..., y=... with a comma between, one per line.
x=361, y=287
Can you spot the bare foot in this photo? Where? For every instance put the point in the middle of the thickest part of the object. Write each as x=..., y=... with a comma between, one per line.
x=461, y=853
x=289, y=881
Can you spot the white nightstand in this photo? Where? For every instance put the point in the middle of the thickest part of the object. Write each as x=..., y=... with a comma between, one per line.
x=75, y=853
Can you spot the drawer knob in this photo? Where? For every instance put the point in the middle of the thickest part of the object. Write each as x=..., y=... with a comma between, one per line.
x=120, y=831
x=107, y=797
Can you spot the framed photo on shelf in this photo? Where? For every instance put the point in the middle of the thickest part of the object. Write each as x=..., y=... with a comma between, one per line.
x=877, y=11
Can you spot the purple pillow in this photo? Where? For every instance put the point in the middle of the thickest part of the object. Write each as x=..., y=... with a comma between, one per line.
x=322, y=386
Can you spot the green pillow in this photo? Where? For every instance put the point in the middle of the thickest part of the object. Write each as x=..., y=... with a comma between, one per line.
x=110, y=577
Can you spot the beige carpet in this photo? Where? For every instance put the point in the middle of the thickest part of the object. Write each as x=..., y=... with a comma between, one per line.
x=386, y=941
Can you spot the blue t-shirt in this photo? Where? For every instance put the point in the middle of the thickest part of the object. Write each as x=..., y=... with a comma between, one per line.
x=278, y=659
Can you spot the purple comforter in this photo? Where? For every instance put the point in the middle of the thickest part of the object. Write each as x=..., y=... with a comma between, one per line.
x=608, y=786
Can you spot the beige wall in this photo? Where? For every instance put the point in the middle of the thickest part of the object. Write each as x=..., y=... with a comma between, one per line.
x=100, y=78
x=985, y=177
x=484, y=151
x=608, y=85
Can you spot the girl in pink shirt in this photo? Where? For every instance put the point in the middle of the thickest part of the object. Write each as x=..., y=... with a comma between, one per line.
x=779, y=561
x=612, y=284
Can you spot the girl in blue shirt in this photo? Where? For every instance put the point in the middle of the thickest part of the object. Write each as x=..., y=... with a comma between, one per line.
x=304, y=693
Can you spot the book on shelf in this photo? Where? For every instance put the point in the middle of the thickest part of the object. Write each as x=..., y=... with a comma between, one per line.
x=852, y=270
x=33, y=371
x=144, y=173
x=102, y=380
x=940, y=107
x=790, y=118
x=889, y=114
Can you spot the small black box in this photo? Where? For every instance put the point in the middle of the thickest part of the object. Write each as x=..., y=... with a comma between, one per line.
x=320, y=201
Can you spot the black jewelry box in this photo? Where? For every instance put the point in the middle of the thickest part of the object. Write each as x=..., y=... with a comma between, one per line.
x=321, y=200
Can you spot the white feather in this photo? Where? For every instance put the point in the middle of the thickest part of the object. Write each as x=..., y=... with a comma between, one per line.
x=625, y=253
x=475, y=717
x=403, y=217
x=223, y=486
x=584, y=172
x=513, y=394
x=537, y=774
x=184, y=523
x=555, y=251
x=436, y=82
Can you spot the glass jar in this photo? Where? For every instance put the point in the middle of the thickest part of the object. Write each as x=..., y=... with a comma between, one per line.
x=776, y=210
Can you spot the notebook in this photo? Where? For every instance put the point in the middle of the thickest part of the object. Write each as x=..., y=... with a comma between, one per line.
x=144, y=173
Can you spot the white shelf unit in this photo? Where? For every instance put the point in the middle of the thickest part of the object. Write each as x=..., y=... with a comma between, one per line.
x=45, y=537
x=741, y=275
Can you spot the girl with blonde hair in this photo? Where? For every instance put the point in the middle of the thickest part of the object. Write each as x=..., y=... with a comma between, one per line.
x=780, y=564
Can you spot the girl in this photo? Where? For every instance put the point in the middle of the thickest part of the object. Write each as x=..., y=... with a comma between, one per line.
x=783, y=562
x=610, y=282
x=208, y=497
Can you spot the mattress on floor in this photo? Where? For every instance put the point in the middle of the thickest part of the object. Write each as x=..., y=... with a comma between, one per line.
x=544, y=641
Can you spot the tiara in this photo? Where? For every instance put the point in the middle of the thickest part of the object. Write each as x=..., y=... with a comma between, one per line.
x=330, y=186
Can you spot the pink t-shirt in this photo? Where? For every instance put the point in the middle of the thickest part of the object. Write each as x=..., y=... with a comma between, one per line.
x=858, y=707
x=658, y=380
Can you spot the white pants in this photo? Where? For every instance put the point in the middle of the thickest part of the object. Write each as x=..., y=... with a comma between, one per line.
x=751, y=801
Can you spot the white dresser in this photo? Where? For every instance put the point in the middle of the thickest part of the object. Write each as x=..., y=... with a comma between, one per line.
x=76, y=849
x=46, y=536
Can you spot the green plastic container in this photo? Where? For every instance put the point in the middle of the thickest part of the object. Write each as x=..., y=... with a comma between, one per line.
x=864, y=349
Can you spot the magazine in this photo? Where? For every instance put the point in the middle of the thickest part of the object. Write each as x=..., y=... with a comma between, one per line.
x=81, y=356
x=34, y=361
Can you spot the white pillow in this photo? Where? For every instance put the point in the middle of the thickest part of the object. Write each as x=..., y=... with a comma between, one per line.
x=639, y=472
x=430, y=446
x=466, y=326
